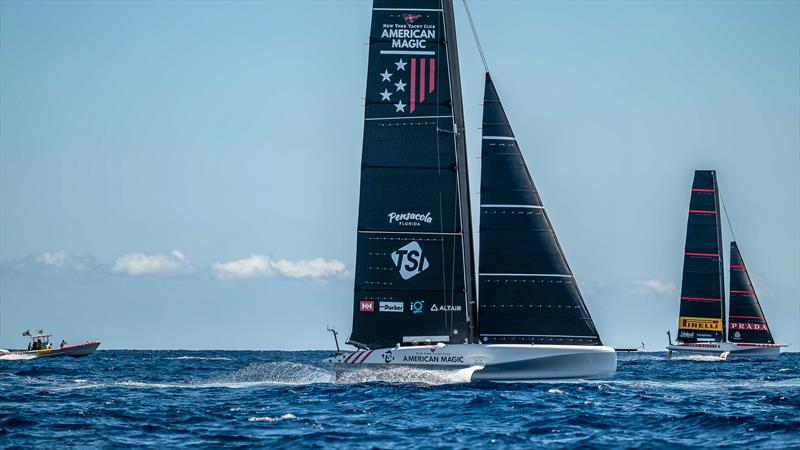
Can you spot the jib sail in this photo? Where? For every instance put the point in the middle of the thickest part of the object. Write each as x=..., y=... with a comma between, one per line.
x=414, y=277
x=746, y=322
x=527, y=291
x=702, y=310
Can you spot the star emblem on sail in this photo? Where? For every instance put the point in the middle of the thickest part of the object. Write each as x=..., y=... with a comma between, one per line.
x=422, y=82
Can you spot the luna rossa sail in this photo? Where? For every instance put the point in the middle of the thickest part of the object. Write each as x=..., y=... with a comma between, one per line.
x=702, y=307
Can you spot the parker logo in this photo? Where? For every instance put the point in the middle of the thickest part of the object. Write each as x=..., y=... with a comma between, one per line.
x=409, y=260
x=410, y=219
x=446, y=308
x=391, y=307
x=701, y=323
x=366, y=306
x=411, y=18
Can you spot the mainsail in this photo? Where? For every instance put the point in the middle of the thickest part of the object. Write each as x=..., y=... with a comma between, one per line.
x=702, y=310
x=414, y=277
x=746, y=322
x=527, y=291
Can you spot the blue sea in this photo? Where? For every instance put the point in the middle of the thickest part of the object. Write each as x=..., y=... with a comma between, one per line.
x=291, y=400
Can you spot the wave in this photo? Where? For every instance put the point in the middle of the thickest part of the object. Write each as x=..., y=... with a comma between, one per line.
x=202, y=358
x=404, y=375
x=287, y=416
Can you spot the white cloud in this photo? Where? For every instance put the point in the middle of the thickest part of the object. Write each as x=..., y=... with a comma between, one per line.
x=257, y=266
x=315, y=268
x=253, y=267
x=54, y=259
x=657, y=286
x=141, y=263
x=59, y=260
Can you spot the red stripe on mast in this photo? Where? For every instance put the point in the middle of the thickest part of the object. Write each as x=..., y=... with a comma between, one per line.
x=702, y=211
x=701, y=254
x=702, y=299
x=702, y=190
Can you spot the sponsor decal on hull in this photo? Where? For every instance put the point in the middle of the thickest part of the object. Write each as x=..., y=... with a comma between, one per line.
x=366, y=306
x=391, y=307
x=700, y=323
x=445, y=358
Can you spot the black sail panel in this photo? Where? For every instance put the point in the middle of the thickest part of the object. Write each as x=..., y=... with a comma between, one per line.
x=527, y=291
x=746, y=320
x=702, y=307
x=414, y=278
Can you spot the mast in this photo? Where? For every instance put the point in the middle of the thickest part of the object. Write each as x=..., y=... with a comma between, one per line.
x=461, y=162
x=528, y=292
x=702, y=307
x=414, y=279
x=747, y=322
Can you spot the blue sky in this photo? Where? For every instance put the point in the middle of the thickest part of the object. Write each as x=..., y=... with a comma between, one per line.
x=185, y=174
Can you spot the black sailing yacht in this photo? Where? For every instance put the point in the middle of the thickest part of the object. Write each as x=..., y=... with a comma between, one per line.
x=416, y=296
x=701, y=327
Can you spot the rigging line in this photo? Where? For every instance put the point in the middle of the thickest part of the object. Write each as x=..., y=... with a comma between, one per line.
x=475, y=35
x=727, y=217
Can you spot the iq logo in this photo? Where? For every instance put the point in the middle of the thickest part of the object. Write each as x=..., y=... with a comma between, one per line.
x=417, y=306
x=409, y=260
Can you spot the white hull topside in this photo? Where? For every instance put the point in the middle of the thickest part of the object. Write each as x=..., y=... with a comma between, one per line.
x=495, y=362
x=732, y=348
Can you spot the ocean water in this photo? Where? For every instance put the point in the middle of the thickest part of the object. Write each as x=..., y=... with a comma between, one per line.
x=291, y=400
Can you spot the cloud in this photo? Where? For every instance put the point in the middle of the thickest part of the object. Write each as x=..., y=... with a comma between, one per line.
x=259, y=266
x=253, y=267
x=141, y=263
x=59, y=260
x=315, y=268
x=657, y=286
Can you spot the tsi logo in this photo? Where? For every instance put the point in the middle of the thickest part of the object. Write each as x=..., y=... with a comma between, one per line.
x=409, y=260
x=417, y=306
x=390, y=307
x=388, y=357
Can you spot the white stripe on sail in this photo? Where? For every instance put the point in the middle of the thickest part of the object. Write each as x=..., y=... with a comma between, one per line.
x=499, y=138
x=408, y=117
x=513, y=206
x=408, y=232
x=563, y=275
x=407, y=52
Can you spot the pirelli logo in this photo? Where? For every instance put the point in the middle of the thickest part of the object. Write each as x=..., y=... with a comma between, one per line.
x=701, y=323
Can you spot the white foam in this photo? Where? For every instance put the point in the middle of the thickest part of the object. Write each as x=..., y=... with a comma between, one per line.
x=16, y=357
x=287, y=416
x=202, y=358
x=404, y=375
x=555, y=391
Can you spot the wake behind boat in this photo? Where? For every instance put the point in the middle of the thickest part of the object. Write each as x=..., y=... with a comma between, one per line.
x=416, y=291
x=702, y=308
x=41, y=347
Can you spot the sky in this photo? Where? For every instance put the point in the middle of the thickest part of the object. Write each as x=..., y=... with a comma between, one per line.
x=185, y=174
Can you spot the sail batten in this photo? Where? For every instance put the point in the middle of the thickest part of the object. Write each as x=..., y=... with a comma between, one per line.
x=527, y=291
x=414, y=276
x=702, y=299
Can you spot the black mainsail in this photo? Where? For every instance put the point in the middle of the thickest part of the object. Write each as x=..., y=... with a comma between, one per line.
x=702, y=309
x=527, y=291
x=746, y=322
x=414, y=275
